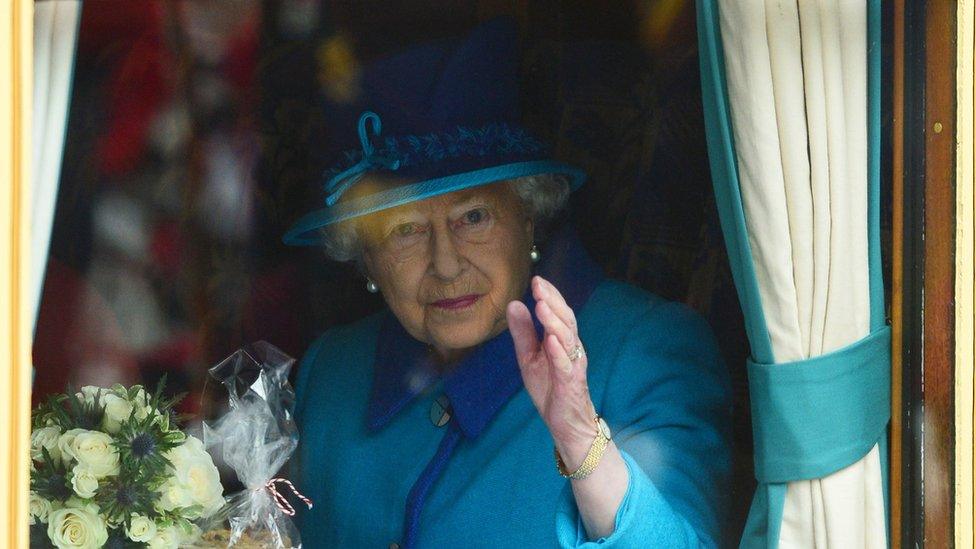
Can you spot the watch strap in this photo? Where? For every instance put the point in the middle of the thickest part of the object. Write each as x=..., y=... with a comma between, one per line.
x=593, y=456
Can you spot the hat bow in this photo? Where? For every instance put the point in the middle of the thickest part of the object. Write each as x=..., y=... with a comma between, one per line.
x=341, y=182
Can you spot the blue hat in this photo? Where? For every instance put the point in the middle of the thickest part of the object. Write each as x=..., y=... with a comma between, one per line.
x=443, y=118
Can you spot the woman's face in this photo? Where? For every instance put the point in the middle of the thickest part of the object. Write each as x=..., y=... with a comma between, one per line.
x=448, y=266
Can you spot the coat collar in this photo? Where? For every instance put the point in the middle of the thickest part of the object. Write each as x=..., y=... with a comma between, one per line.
x=489, y=376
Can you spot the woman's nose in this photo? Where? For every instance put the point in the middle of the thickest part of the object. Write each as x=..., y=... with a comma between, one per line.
x=446, y=259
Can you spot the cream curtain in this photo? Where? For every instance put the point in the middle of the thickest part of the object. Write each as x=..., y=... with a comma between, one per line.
x=796, y=76
x=55, y=36
x=797, y=85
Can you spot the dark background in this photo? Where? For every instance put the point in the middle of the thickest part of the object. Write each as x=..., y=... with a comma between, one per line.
x=191, y=147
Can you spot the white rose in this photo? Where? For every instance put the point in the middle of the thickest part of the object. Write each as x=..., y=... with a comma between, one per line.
x=199, y=471
x=64, y=443
x=95, y=451
x=72, y=527
x=88, y=392
x=83, y=481
x=39, y=508
x=190, y=450
x=141, y=528
x=205, y=487
x=45, y=438
x=196, y=479
x=165, y=538
x=173, y=495
x=117, y=410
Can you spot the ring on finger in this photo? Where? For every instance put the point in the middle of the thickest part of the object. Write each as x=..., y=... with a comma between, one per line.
x=576, y=352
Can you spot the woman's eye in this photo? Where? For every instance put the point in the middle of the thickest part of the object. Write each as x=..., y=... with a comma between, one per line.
x=473, y=217
x=405, y=235
x=405, y=229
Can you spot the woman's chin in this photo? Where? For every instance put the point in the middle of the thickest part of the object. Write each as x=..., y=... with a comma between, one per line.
x=461, y=334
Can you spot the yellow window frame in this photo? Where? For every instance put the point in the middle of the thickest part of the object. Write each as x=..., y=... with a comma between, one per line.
x=16, y=68
x=16, y=59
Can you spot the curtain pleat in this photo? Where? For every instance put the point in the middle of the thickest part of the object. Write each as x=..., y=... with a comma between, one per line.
x=796, y=79
x=55, y=36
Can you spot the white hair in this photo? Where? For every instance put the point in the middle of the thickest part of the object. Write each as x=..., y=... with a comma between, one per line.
x=542, y=197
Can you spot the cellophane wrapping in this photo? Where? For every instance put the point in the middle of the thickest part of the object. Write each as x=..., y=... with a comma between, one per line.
x=255, y=438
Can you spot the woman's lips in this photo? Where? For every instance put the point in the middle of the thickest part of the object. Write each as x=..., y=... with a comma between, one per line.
x=457, y=303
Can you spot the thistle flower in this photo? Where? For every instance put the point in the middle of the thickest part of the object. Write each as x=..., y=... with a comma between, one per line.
x=120, y=496
x=49, y=480
x=142, y=445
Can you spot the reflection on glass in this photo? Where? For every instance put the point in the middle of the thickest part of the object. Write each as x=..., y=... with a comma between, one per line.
x=199, y=132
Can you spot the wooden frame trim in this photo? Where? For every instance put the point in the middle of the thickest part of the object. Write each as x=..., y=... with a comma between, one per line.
x=965, y=305
x=895, y=465
x=938, y=313
x=16, y=68
x=927, y=268
x=909, y=264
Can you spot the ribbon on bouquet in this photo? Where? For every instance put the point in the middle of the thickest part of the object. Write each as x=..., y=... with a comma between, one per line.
x=280, y=500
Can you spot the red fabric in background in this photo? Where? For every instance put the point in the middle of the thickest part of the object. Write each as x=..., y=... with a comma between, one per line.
x=75, y=328
x=115, y=25
x=138, y=87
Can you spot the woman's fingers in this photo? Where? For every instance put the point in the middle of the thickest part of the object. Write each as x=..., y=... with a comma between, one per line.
x=523, y=332
x=543, y=290
x=529, y=354
x=554, y=325
x=558, y=357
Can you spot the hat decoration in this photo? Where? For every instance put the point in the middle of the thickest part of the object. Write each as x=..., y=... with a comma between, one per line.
x=492, y=139
x=368, y=159
x=450, y=110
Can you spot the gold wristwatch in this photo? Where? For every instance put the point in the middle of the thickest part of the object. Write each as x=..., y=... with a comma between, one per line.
x=593, y=456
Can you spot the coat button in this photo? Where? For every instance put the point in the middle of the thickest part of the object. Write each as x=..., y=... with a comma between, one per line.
x=440, y=411
x=394, y=546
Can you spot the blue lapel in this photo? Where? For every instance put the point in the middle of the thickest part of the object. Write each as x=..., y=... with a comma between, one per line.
x=489, y=376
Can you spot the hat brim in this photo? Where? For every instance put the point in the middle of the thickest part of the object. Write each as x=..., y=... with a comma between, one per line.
x=307, y=230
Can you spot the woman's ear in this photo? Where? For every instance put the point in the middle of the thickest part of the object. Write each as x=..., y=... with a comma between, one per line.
x=529, y=229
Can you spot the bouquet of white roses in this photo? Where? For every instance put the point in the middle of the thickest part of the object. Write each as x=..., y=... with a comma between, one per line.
x=110, y=467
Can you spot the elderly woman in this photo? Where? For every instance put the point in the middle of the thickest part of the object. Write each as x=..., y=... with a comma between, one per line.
x=489, y=405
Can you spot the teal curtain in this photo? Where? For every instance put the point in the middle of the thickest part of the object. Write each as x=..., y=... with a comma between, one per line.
x=817, y=416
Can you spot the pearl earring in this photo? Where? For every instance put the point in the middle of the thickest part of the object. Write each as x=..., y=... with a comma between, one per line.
x=534, y=254
x=371, y=286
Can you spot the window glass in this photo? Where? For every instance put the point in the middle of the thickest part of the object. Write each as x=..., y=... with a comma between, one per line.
x=196, y=137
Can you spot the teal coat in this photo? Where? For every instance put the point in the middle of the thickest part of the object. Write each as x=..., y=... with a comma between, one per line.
x=654, y=373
